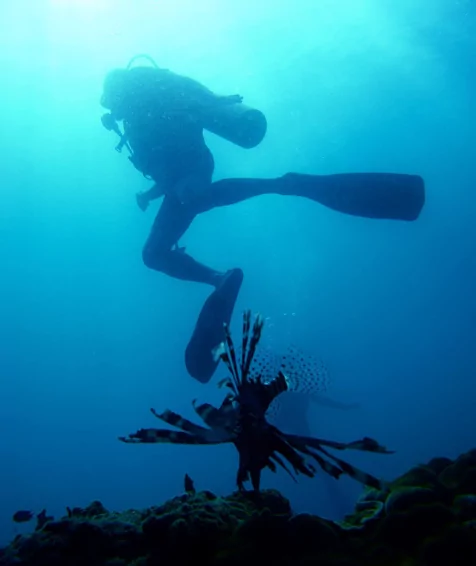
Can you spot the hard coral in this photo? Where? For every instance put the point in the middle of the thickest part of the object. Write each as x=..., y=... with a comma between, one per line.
x=427, y=517
x=460, y=476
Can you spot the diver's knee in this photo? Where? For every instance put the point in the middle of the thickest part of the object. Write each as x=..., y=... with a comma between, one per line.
x=153, y=258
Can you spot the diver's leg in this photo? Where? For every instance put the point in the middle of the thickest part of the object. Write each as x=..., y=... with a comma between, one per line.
x=171, y=222
x=370, y=195
x=209, y=330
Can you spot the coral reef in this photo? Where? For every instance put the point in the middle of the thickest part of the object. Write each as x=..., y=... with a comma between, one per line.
x=425, y=517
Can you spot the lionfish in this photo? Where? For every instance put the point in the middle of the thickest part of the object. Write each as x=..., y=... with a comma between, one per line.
x=242, y=420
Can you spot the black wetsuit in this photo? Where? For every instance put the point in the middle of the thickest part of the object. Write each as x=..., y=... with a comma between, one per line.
x=162, y=120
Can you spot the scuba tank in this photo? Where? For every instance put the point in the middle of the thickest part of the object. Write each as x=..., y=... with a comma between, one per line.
x=237, y=123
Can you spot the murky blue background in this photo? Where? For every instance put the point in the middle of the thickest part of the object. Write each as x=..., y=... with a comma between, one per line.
x=90, y=339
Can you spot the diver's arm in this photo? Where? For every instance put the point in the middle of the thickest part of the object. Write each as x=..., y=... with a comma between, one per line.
x=155, y=192
x=198, y=96
x=143, y=198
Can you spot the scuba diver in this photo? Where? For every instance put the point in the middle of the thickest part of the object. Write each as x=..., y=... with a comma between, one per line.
x=164, y=116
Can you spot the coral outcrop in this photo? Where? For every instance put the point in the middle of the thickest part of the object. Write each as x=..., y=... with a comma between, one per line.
x=425, y=517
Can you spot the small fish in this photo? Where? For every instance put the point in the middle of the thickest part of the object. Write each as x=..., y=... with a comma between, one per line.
x=188, y=483
x=22, y=516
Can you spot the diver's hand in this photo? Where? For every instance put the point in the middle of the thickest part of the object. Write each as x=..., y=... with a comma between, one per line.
x=233, y=99
x=142, y=200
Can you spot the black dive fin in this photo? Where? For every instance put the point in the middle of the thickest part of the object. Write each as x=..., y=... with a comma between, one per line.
x=370, y=195
x=209, y=331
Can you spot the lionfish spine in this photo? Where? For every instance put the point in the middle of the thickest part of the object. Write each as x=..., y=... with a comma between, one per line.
x=255, y=338
x=245, y=338
x=233, y=366
x=221, y=352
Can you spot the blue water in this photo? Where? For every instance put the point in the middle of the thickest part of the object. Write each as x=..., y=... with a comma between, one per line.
x=90, y=339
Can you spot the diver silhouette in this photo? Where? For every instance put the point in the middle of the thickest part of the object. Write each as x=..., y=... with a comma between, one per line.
x=164, y=116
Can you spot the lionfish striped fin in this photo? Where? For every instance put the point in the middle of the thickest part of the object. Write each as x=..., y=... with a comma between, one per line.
x=315, y=442
x=224, y=357
x=355, y=473
x=163, y=436
x=226, y=382
x=221, y=353
x=218, y=352
x=366, y=444
x=328, y=467
x=369, y=445
x=271, y=465
x=300, y=444
x=291, y=454
x=222, y=418
x=174, y=419
x=207, y=412
x=277, y=459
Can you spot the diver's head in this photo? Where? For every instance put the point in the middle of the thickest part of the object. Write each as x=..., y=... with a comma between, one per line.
x=114, y=91
x=119, y=83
